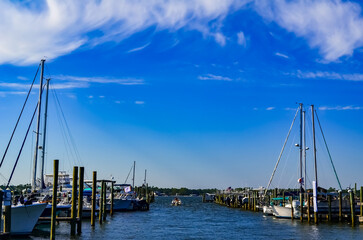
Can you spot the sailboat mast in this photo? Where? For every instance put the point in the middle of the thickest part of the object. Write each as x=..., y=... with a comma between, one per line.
x=44, y=135
x=38, y=124
x=314, y=145
x=304, y=148
x=300, y=145
x=145, y=178
x=133, y=176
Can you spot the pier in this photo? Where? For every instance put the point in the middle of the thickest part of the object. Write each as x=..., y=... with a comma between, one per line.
x=332, y=207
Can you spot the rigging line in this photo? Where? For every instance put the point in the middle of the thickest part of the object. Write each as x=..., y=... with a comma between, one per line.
x=77, y=155
x=326, y=145
x=22, y=145
x=129, y=173
x=282, y=150
x=21, y=113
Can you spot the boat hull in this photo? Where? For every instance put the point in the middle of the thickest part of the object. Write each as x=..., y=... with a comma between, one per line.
x=24, y=218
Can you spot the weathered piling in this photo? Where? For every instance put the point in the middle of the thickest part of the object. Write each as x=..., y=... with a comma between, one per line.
x=361, y=201
x=340, y=206
x=54, y=199
x=80, y=200
x=111, y=205
x=74, y=201
x=104, y=213
x=7, y=219
x=301, y=206
x=292, y=209
x=283, y=198
x=1, y=204
x=93, y=204
x=100, y=210
x=352, y=207
x=308, y=210
x=329, y=208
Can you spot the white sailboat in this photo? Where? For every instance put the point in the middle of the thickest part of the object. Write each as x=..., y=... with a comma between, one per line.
x=24, y=217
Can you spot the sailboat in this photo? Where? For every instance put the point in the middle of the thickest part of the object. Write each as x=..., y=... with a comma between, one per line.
x=295, y=208
x=24, y=216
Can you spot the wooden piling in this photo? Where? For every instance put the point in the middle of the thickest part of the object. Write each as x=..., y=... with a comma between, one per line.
x=361, y=201
x=1, y=204
x=292, y=209
x=7, y=219
x=93, y=205
x=301, y=207
x=283, y=198
x=100, y=210
x=112, y=193
x=352, y=208
x=104, y=213
x=340, y=207
x=74, y=201
x=54, y=199
x=329, y=208
x=80, y=200
x=254, y=201
x=308, y=210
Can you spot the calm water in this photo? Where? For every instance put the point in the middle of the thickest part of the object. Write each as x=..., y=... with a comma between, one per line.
x=197, y=220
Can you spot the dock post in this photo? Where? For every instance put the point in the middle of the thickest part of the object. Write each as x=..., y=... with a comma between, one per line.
x=100, y=210
x=93, y=204
x=361, y=201
x=329, y=208
x=80, y=200
x=301, y=207
x=74, y=201
x=254, y=201
x=7, y=219
x=340, y=206
x=352, y=208
x=308, y=210
x=292, y=209
x=283, y=198
x=104, y=213
x=1, y=204
x=111, y=206
x=54, y=199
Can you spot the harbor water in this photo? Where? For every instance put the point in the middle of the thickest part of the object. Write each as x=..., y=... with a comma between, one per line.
x=197, y=220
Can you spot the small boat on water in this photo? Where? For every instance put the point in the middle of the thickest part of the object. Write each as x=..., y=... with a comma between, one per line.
x=176, y=202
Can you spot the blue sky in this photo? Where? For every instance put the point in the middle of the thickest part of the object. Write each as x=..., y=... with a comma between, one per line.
x=199, y=93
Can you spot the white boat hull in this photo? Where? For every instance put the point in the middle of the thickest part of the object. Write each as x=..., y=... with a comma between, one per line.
x=24, y=218
x=284, y=212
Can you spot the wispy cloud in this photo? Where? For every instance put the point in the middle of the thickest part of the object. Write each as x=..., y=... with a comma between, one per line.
x=241, y=39
x=329, y=75
x=19, y=86
x=139, y=102
x=270, y=108
x=114, y=20
x=138, y=48
x=281, y=55
x=4, y=93
x=334, y=27
x=102, y=80
x=214, y=77
x=341, y=108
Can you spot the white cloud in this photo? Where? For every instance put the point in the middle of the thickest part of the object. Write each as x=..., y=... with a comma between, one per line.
x=18, y=86
x=22, y=78
x=103, y=80
x=101, y=96
x=90, y=97
x=4, y=93
x=330, y=75
x=214, y=77
x=241, y=39
x=270, y=108
x=334, y=27
x=139, y=102
x=57, y=28
x=340, y=108
x=138, y=48
x=281, y=55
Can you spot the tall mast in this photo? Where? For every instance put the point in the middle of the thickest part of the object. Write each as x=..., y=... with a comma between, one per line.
x=314, y=146
x=133, y=176
x=145, y=178
x=44, y=135
x=304, y=148
x=38, y=124
x=300, y=146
